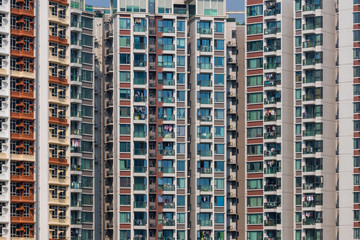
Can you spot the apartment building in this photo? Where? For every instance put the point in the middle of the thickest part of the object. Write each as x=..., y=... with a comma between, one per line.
x=169, y=96
x=291, y=124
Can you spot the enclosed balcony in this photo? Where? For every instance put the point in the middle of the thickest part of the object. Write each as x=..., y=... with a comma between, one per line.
x=312, y=5
x=272, y=235
x=166, y=149
x=272, y=149
x=272, y=184
x=204, y=202
x=272, y=219
x=312, y=147
x=140, y=166
x=204, y=132
x=272, y=8
x=272, y=79
x=273, y=62
x=313, y=129
x=140, y=218
x=272, y=114
x=313, y=164
x=313, y=93
x=272, y=167
x=313, y=40
x=166, y=219
x=312, y=23
x=204, y=28
x=140, y=25
x=204, y=115
x=272, y=97
x=272, y=28
x=272, y=45
x=140, y=113
x=203, y=219
x=313, y=111
x=272, y=132
x=166, y=166
x=140, y=95
x=272, y=201
x=204, y=167
x=312, y=76
x=166, y=131
x=140, y=60
x=312, y=182
x=140, y=148
x=204, y=150
x=312, y=200
x=312, y=217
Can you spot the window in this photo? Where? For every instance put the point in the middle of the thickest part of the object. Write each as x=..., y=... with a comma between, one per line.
x=181, y=26
x=87, y=22
x=254, y=98
x=219, y=218
x=219, y=201
x=87, y=40
x=254, y=201
x=180, y=218
x=254, y=28
x=219, y=114
x=181, y=183
x=180, y=43
x=254, y=115
x=181, y=148
x=124, y=23
x=219, y=183
x=254, y=184
x=181, y=78
x=124, y=146
x=219, y=44
x=219, y=79
x=219, y=27
x=219, y=97
x=255, y=80
x=124, y=41
x=256, y=10
x=180, y=200
x=254, y=63
x=255, y=218
x=124, y=58
x=219, y=149
x=219, y=61
x=255, y=149
x=180, y=166
x=124, y=217
x=255, y=46
x=180, y=61
x=255, y=132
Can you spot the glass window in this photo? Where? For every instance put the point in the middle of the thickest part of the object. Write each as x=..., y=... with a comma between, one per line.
x=219, y=27
x=124, y=23
x=219, y=217
x=181, y=26
x=254, y=63
x=219, y=97
x=124, y=41
x=254, y=184
x=219, y=114
x=255, y=28
x=124, y=76
x=254, y=115
x=255, y=80
x=255, y=218
x=181, y=78
x=254, y=201
x=219, y=183
x=180, y=61
x=219, y=61
x=219, y=44
x=219, y=79
x=180, y=166
x=219, y=148
x=124, y=217
x=180, y=200
x=180, y=42
x=255, y=10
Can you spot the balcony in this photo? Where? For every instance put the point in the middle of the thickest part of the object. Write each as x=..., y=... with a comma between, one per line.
x=167, y=152
x=205, y=135
x=166, y=82
x=166, y=222
x=139, y=28
x=312, y=7
x=139, y=151
x=166, y=29
x=204, y=205
x=204, y=100
x=204, y=48
x=271, y=170
x=204, y=118
x=205, y=223
x=139, y=222
x=139, y=187
x=272, y=222
x=312, y=150
x=205, y=170
x=139, y=46
x=167, y=187
x=312, y=221
x=140, y=204
x=205, y=153
x=272, y=204
x=167, y=117
x=273, y=30
x=167, y=205
x=140, y=116
x=206, y=66
x=272, y=135
x=312, y=132
x=206, y=31
x=204, y=188
x=166, y=47
x=166, y=64
x=272, y=48
x=139, y=63
x=167, y=99
x=167, y=169
x=312, y=185
x=204, y=83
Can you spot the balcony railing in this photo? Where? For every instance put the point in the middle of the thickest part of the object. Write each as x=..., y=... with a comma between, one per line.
x=205, y=222
x=273, y=30
x=205, y=118
x=167, y=187
x=204, y=30
x=204, y=188
x=205, y=135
